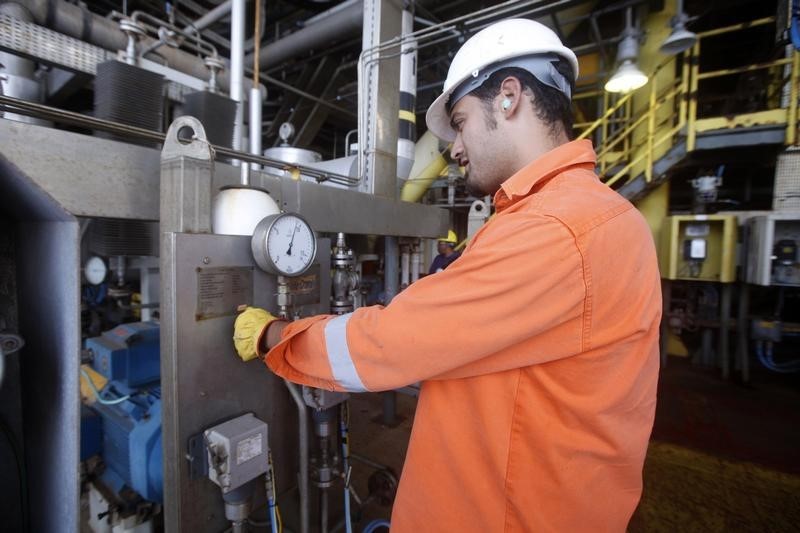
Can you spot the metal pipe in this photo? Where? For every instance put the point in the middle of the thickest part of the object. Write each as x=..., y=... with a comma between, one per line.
x=237, y=73
x=323, y=511
x=255, y=125
x=78, y=22
x=332, y=25
x=303, y=485
x=210, y=18
x=15, y=105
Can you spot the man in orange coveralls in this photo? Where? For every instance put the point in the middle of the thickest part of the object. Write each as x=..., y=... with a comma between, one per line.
x=536, y=415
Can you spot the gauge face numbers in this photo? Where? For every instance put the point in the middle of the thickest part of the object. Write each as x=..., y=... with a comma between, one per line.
x=284, y=244
x=95, y=270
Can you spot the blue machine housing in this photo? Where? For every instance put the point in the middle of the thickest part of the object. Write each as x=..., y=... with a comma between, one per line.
x=129, y=356
x=129, y=353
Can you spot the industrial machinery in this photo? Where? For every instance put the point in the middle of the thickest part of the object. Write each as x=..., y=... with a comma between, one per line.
x=773, y=242
x=126, y=488
x=699, y=247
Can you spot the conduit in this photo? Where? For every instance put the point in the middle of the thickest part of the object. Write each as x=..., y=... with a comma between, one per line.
x=428, y=163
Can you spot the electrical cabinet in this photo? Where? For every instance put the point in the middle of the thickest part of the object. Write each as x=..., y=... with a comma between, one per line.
x=772, y=249
x=699, y=247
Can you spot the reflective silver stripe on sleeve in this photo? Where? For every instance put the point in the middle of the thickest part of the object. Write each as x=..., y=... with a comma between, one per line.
x=344, y=371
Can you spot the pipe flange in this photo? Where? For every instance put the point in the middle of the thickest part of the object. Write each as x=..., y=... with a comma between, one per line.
x=132, y=28
x=213, y=63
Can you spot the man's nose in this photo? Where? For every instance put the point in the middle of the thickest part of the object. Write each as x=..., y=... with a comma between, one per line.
x=457, y=150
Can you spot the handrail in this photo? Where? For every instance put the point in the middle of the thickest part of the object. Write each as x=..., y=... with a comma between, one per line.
x=614, y=130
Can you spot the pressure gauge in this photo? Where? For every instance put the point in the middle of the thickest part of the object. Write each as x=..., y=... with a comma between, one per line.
x=284, y=244
x=95, y=270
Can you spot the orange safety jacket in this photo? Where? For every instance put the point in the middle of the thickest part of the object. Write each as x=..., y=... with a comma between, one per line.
x=538, y=356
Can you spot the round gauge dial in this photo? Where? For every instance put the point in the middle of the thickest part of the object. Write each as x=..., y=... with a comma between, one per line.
x=284, y=244
x=95, y=270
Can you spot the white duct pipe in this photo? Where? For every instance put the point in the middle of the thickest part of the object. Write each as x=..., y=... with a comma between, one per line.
x=416, y=263
x=405, y=258
x=255, y=124
x=237, y=78
x=407, y=134
x=211, y=17
x=330, y=26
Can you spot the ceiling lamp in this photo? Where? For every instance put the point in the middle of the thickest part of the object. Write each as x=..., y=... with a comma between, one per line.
x=680, y=39
x=628, y=76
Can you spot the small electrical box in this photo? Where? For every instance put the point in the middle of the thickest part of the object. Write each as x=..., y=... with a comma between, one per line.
x=772, y=249
x=699, y=247
x=236, y=451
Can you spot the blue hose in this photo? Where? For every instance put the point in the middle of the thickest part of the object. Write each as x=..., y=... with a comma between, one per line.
x=766, y=359
x=794, y=27
x=375, y=524
x=96, y=392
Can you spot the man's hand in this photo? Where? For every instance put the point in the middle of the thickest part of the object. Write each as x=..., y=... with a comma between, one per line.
x=249, y=330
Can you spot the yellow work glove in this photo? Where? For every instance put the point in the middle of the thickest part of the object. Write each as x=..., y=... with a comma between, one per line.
x=250, y=325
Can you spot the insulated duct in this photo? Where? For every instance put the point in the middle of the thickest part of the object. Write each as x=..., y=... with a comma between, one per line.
x=340, y=22
x=80, y=23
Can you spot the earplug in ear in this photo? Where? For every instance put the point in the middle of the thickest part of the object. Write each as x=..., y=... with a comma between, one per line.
x=506, y=104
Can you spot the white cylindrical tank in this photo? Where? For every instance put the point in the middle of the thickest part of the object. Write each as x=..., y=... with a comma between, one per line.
x=238, y=209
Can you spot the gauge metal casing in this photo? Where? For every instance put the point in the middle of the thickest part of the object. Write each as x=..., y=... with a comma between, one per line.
x=284, y=244
x=95, y=270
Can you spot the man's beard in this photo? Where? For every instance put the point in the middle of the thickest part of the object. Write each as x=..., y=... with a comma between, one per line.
x=474, y=188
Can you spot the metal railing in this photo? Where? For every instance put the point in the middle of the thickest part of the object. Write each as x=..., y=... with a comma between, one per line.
x=631, y=139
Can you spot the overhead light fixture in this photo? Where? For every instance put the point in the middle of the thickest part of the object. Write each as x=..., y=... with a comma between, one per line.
x=680, y=39
x=628, y=77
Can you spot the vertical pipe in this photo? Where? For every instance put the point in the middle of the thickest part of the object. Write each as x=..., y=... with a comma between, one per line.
x=302, y=415
x=691, y=134
x=405, y=267
x=237, y=77
x=684, y=91
x=323, y=511
x=791, y=126
x=407, y=135
x=255, y=124
x=390, y=288
x=416, y=258
x=724, y=328
x=666, y=297
x=741, y=332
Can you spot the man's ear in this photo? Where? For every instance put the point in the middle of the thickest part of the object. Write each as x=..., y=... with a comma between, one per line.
x=510, y=95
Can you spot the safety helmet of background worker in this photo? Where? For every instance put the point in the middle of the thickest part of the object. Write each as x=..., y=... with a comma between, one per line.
x=450, y=239
x=519, y=43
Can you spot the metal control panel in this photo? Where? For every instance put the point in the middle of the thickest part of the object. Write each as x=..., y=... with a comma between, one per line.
x=773, y=257
x=204, y=382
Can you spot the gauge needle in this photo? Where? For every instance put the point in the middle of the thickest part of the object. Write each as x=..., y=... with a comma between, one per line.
x=291, y=242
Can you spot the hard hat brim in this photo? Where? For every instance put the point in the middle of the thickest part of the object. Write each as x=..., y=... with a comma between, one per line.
x=438, y=119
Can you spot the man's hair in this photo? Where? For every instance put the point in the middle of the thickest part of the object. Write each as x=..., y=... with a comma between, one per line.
x=551, y=105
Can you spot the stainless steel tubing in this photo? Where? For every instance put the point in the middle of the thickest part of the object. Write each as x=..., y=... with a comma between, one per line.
x=303, y=484
x=24, y=107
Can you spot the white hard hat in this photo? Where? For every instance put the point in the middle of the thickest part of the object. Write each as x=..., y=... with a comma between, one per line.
x=520, y=43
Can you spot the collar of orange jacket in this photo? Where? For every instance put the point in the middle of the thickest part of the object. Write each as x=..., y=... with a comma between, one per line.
x=572, y=154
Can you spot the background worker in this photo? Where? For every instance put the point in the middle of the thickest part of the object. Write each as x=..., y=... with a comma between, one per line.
x=537, y=351
x=446, y=246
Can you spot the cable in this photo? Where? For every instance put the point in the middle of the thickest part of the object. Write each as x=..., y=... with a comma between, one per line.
x=766, y=359
x=97, y=392
x=21, y=473
x=271, y=493
x=344, y=421
x=375, y=524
